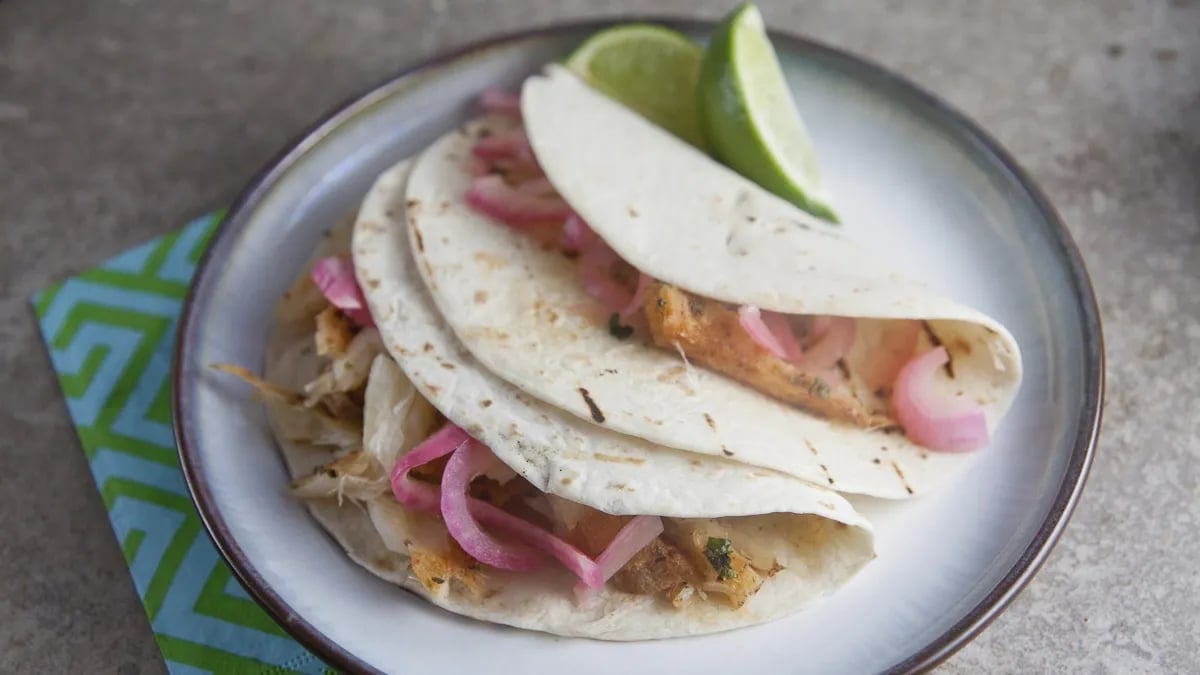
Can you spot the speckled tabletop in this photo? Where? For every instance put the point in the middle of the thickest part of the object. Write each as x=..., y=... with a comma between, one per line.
x=120, y=120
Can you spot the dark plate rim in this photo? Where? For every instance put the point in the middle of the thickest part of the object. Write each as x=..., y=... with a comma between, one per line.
x=941, y=647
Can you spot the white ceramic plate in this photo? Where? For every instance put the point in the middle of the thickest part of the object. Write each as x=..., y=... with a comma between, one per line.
x=910, y=177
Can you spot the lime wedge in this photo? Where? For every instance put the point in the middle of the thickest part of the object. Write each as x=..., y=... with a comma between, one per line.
x=749, y=118
x=651, y=69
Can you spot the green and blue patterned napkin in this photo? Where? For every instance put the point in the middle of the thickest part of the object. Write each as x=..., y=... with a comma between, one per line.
x=111, y=333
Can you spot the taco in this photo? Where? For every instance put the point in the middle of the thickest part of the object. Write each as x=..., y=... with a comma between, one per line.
x=603, y=266
x=442, y=478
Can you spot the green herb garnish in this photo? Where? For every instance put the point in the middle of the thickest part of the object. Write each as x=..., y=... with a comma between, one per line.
x=616, y=329
x=718, y=552
x=819, y=388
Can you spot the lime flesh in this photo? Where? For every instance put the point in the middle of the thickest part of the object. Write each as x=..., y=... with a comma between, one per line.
x=650, y=69
x=749, y=118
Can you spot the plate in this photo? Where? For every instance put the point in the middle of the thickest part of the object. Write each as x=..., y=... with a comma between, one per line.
x=909, y=176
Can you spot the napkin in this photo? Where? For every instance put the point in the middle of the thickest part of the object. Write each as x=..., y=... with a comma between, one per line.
x=110, y=332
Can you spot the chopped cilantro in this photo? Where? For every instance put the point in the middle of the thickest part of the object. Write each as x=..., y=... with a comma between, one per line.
x=718, y=551
x=819, y=388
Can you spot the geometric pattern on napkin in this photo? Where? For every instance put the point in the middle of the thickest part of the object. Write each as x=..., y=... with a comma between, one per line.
x=111, y=333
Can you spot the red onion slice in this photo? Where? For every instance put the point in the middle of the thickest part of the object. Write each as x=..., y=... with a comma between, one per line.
x=511, y=144
x=752, y=322
x=467, y=462
x=335, y=277
x=417, y=495
x=507, y=151
x=491, y=196
x=537, y=187
x=576, y=234
x=423, y=497
x=833, y=345
x=947, y=426
x=512, y=165
x=572, y=558
x=818, y=327
x=477, y=167
x=635, y=536
x=498, y=101
x=632, y=312
x=596, y=262
x=786, y=337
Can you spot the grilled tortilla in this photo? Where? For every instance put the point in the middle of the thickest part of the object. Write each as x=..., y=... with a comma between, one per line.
x=710, y=236
x=813, y=538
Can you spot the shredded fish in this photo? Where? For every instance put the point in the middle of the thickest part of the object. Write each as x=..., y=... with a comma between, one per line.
x=334, y=333
x=660, y=567
x=437, y=572
x=709, y=333
x=347, y=372
x=314, y=425
x=745, y=564
x=355, y=475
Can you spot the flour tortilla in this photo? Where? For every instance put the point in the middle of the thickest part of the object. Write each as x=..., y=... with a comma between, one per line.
x=816, y=534
x=674, y=213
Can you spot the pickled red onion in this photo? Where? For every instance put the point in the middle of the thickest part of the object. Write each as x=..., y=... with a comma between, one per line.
x=466, y=462
x=751, y=319
x=424, y=497
x=335, y=277
x=818, y=326
x=572, y=558
x=782, y=330
x=503, y=152
x=477, y=167
x=576, y=234
x=511, y=144
x=596, y=262
x=540, y=187
x=499, y=101
x=633, y=537
x=633, y=309
x=833, y=345
x=937, y=425
x=491, y=196
x=417, y=495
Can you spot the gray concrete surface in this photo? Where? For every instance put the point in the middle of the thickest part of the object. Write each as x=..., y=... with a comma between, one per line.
x=121, y=119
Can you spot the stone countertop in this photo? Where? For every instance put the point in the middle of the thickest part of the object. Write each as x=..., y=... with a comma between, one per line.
x=120, y=120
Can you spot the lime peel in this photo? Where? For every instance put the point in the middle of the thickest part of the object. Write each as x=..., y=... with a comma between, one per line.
x=749, y=118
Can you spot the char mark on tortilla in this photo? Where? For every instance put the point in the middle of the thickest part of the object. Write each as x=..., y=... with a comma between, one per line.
x=843, y=368
x=420, y=239
x=937, y=342
x=597, y=413
x=903, y=480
